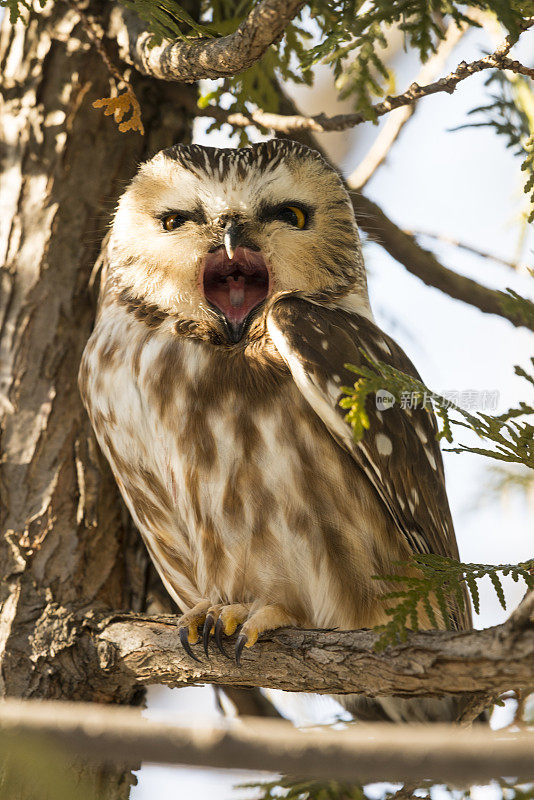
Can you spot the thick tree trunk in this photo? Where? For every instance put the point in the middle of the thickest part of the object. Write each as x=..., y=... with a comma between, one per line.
x=65, y=542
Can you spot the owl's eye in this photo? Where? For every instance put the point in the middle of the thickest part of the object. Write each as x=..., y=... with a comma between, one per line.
x=292, y=215
x=172, y=221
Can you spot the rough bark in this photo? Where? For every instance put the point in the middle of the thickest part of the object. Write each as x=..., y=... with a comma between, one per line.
x=67, y=551
x=124, y=651
x=429, y=663
x=210, y=58
x=65, y=540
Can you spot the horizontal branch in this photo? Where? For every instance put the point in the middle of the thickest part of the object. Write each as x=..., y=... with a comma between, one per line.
x=432, y=663
x=404, y=248
x=359, y=754
x=517, y=67
x=320, y=123
x=469, y=248
x=190, y=61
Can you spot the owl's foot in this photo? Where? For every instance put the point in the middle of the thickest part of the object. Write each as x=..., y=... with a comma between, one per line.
x=189, y=624
x=267, y=618
x=223, y=619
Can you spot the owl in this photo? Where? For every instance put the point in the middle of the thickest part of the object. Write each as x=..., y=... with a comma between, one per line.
x=234, y=296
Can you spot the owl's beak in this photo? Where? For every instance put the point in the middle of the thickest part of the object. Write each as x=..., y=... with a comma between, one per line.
x=230, y=238
x=235, y=285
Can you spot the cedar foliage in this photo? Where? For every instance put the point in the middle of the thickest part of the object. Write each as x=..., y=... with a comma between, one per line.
x=441, y=578
x=512, y=432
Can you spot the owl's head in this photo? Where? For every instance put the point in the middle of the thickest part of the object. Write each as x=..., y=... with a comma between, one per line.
x=211, y=234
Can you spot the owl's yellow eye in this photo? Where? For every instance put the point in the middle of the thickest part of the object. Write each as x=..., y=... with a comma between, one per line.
x=172, y=221
x=293, y=215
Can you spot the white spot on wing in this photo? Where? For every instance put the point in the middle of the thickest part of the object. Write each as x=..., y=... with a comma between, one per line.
x=384, y=445
x=431, y=458
x=383, y=346
x=420, y=432
x=333, y=391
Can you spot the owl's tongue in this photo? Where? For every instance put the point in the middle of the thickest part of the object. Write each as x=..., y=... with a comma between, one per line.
x=236, y=290
x=236, y=294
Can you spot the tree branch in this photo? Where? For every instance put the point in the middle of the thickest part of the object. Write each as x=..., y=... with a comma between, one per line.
x=389, y=134
x=440, y=237
x=215, y=58
x=517, y=67
x=524, y=613
x=424, y=264
x=148, y=650
x=360, y=753
x=320, y=123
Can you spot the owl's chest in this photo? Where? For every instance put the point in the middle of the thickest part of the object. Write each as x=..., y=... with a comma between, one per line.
x=229, y=431
x=198, y=437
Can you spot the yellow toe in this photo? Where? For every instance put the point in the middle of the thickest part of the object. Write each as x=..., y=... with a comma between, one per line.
x=230, y=626
x=232, y=616
x=252, y=638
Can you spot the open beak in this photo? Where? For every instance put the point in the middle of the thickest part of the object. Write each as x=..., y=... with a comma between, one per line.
x=235, y=281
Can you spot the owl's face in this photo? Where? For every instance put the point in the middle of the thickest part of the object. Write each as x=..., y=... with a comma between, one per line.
x=211, y=234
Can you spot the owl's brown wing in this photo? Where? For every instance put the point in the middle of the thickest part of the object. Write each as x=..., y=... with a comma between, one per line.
x=399, y=453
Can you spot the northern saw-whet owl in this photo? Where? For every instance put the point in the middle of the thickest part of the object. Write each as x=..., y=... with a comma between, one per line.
x=234, y=296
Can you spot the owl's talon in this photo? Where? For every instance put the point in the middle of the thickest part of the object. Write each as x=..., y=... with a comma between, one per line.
x=242, y=639
x=206, y=631
x=219, y=628
x=184, y=638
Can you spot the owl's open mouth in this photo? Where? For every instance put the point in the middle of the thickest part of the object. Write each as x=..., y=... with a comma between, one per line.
x=235, y=286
